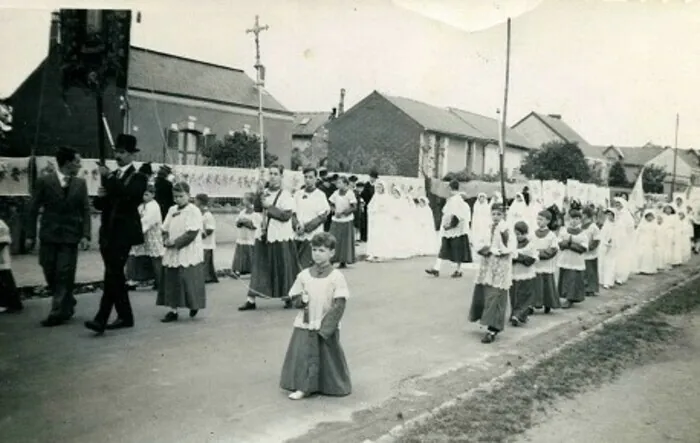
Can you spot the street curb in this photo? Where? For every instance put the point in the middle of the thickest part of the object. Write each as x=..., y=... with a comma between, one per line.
x=40, y=291
x=399, y=430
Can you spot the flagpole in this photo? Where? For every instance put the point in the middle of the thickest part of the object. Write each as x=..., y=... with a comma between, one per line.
x=675, y=157
x=504, y=111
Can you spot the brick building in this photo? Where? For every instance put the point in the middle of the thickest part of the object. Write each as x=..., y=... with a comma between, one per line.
x=400, y=136
x=173, y=103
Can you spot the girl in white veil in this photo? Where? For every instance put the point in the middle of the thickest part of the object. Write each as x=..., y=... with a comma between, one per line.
x=519, y=211
x=380, y=224
x=624, y=234
x=403, y=224
x=481, y=224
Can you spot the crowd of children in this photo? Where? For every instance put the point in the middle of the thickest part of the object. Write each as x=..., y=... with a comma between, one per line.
x=568, y=255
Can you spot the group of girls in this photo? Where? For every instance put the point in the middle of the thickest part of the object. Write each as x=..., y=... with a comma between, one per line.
x=534, y=258
x=399, y=226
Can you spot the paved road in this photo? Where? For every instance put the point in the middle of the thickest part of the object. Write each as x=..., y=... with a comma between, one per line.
x=660, y=403
x=27, y=271
x=215, y=379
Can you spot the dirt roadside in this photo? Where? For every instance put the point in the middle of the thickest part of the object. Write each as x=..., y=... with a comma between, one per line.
x=420, y=394
x=660, y=401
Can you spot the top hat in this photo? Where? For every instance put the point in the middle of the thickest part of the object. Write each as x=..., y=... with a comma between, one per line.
x=126, y=142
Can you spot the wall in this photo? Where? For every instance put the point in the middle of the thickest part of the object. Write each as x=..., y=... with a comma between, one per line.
x=536, y=132
x=151, y=115
x=69, y=119
x=374, y=134
x=491, y=159
x=301, y=143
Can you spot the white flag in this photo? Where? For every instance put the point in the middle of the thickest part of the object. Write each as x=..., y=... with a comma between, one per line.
x=636, y=200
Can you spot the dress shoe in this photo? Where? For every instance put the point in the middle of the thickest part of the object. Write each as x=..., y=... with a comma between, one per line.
x=248, y=306
x=169, y=317
x=96, y=327
x=193, y=312
x=52, y=321
x=120, y=324
x=432, y=272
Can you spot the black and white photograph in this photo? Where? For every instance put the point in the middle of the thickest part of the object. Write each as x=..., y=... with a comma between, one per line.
x=361, y=221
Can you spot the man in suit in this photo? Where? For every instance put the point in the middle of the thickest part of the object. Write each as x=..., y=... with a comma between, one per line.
x=65, y=226
x=120, y=228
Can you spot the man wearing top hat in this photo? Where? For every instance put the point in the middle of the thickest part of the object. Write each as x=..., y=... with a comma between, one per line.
x=120, y=229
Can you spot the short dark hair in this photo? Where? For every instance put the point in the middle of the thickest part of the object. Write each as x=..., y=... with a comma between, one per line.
x=353, y=178
x=335, y=177
x=323, y=172
x=278, y=167
x=454, y=185
x=574, y=213
x=545, y=215
x=64, y=154
x=324, y=239
x=587, y=212
x=181, y=187
x=307, y=170
x=521, y=227
x=203, y=198
x=373, y=174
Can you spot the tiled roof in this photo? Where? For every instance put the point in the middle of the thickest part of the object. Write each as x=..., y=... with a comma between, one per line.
x=170, y=74
x=307, y=123
x=560, y=127
x=488, y=127
x=638, y=156
x=433, y=118
x=591, y=151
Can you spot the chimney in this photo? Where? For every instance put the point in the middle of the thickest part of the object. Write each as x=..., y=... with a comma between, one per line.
x=341, y=105
x=557, y=116
x=334, y=113
x=55, y=31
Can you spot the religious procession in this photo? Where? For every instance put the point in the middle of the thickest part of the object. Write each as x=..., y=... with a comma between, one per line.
x=412, y=241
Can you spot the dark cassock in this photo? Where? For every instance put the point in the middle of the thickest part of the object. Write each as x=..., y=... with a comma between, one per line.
x=328, y=188
x=120, y=229
x=366, y=196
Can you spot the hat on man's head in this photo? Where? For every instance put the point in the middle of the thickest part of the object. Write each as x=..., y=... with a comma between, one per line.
x=164, y=170
x=126, y=142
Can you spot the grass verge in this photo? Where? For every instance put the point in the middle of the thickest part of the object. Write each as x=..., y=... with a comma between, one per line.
x=510, y=408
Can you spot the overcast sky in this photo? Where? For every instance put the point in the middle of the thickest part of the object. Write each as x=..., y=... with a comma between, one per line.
x=618, y=71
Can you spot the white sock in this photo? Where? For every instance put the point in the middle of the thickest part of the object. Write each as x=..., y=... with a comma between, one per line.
x=173, y=310
x=459, y=267
x=438, y=264
x=251, y=300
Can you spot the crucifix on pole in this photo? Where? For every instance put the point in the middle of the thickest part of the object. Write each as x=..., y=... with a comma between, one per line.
x=260, y=81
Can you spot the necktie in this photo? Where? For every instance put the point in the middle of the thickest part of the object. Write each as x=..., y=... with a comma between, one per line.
x=67, y=185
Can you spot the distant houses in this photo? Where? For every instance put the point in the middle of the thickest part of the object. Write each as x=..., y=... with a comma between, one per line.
x=175, y=107
x=401, y=136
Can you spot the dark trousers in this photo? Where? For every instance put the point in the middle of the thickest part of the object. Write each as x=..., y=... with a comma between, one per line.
x=115, y=293
x=59, y=262
x=363, y=227
x=9, y=295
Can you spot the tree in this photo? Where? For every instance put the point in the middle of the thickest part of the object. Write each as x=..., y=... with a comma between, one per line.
x=617, y=177
x=239, y=150
x=653, y=179
x=299, y=159
x=557, y=161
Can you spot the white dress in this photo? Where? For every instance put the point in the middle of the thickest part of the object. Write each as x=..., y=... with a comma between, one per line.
x=177, y=222
x=607, y=254
x=380, y=226
x=645, y=245
x=428, y=234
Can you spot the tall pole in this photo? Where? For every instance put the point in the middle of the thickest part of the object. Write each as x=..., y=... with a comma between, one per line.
x=260, y=82
x=675, y=157
x=504, y=113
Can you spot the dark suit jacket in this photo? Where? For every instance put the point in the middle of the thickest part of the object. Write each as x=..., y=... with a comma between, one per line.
x=164, y=195
x=66, y=215
x=120, y=223
x=367, y=192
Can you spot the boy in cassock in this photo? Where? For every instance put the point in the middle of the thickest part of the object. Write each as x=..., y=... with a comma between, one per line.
x=490, y=299
x=523, y=290
x=591, y=229
x=547, y=245
x=572, y=265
